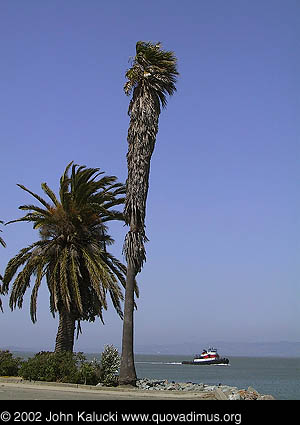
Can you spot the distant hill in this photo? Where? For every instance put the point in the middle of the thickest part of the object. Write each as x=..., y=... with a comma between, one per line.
x=251, y=349
x=24, y=349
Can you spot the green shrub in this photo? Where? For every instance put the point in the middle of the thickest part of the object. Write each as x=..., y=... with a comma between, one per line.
x=50, y=367
x=9, y=365
x=60, y=367
x=110, y=363
x=89, y=372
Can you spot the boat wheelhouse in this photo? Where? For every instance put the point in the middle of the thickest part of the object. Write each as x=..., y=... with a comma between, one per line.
x=208, y=357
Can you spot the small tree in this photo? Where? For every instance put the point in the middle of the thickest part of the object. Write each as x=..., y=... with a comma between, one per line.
x=110, y=363
x=90, y=372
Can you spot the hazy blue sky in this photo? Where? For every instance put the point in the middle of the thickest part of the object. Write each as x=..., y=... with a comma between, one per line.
x=223, y=214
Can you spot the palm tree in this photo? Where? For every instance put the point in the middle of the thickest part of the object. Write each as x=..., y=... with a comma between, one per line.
x=151, y=78
x=1, y=240
x=3, y=244
x=71, y=252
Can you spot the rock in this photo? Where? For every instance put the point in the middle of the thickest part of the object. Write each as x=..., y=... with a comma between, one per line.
x=185, y=386
x=209, y=387
x=248, y=395
x=219, y=394
x=265, y=397
x=227, y=391
x=252, y=390
x=234, y=396
x=170, y=387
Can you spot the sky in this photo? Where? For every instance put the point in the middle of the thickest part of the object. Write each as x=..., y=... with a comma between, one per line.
x=223, y=207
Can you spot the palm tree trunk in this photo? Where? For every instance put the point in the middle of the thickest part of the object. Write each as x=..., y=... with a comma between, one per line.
x=141, y=140
x=127, y=369
x=65, y=333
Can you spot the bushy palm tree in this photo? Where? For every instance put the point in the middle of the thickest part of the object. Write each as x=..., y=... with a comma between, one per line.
x=150, y=79
x=71, y=253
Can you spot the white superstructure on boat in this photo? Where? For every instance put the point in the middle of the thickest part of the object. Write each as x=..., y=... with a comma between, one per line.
x=206, y=355
x=209, y=356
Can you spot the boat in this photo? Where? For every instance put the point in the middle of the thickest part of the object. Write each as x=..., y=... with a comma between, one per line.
x=208, y=357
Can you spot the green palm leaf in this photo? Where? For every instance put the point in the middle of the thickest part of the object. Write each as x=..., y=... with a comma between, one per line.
x=1, y=240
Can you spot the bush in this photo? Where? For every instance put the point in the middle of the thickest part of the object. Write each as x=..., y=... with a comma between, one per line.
x=60, y=367
x=72, y=367
x=90, y=372
x=50, y=367
x=9, y=365
x=110, y=363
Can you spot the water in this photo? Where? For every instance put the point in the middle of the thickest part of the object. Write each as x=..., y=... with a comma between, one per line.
x=268, y=375
x=277, y=376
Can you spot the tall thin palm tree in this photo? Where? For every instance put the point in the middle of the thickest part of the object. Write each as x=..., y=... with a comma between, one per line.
x=71, y=253
x=150, y=79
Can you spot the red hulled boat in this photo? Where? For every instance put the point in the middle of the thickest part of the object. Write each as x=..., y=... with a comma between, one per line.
x=208, y=357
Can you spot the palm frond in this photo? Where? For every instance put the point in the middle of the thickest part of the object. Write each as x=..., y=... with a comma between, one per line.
x=94, y=269
x=75, y=274
x=39, y=275
x=39, y=198
x=2, y=241
x=50, y=193
x=16, y=262
x=22, y=282
x=63, y=279
x=64, y=193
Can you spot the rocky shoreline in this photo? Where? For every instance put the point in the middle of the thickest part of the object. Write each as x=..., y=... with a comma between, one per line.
x=219, y=392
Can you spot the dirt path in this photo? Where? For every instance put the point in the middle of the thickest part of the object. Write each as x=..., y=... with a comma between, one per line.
x=16, y=389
